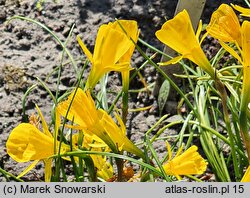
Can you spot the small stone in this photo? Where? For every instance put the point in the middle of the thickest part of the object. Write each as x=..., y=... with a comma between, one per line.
x=66, y=31
x=3, y=15
x=156, y=20
x=138, y=10
x=150, y=120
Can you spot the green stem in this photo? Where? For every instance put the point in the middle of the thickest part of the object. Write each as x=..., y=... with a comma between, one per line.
x=123, y=157
x=172, y=83
x=124, y=106
x=119, y=164
x=221, y=88
x=7, y=174
x=247, y=2
x=244, y=131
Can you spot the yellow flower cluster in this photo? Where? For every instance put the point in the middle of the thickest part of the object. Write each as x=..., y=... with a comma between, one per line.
x=225, y=26
x=115, y=43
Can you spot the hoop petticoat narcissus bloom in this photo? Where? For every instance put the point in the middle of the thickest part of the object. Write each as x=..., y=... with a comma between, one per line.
x=178, y=34
x=224, y=25
x=111, y=44
x=80, y=108
x=244, y=11
x=246, y=176
x=190, y=162
x=27, y=143
x=83, y=111
x=130, y=28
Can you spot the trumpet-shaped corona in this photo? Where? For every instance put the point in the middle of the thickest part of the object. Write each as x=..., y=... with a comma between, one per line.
x=188, y=163
x=83, y=112
x=178, y=34
x=130, y=28
x=27, y=143
x=112, y=52
x=224, y=25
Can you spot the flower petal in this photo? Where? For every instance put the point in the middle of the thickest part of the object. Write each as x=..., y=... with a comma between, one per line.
x=188, y=163
x=118, y=135
x=231, y=51
x=78, y=107
x=27, y=143
x=28, y=169
x=178, y=34
x=85, y=49
x=104, y=168
x=44, y=124
x=224, y=25
x=169, y=150
x=244, y=11
x=246, y=65
x=171, y=61
x=48, y=169
x=246, y=176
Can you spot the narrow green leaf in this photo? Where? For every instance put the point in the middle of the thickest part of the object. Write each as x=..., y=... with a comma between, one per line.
x=163, y=95
x=165, y=176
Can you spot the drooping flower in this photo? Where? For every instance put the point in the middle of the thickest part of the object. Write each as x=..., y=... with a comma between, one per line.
x=190, y=162
x=27, y=143
x=244, y=11
x=224, y=25
x=111, y=45
x=246, y=176
x=83, y=112
x=178, y=34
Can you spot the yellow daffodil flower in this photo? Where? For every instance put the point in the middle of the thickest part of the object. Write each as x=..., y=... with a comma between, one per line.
x=83, y=112
x=188, y=163
x=224, y=25
x=111, y=45
x=93, y=143
x=178, y=34
x=244, y=11
x=246, y=176
x=27, y=143
x=130, y=28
